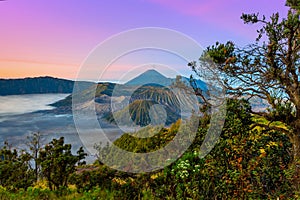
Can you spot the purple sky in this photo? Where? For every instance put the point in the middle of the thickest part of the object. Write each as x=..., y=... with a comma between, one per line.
x=53, y=37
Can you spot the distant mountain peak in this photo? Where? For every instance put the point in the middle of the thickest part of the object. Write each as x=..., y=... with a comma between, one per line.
x=148, y=77
x=152, y=72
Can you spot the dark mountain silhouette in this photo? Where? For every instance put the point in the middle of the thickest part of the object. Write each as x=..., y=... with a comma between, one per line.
x=38, y=85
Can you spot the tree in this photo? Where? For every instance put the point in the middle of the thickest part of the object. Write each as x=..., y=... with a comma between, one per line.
x=295, y=4
x=35, y=144
x=57, y=162
x=14, y=169
x=268, y=69
x=245, y=164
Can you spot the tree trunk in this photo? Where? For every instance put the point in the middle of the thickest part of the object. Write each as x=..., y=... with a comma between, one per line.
x=296, y=154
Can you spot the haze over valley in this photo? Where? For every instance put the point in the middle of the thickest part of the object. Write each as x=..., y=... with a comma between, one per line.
x=29, y=111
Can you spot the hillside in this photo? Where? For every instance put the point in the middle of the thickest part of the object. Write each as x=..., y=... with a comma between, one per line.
x=143, y=113
x=35, y=86
x=38, y=85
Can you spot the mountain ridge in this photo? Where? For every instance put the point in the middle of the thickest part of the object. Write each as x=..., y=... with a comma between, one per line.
x=38, y=85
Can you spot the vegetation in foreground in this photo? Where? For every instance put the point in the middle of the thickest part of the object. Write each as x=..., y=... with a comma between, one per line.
x=247, y=163
x=255, y=158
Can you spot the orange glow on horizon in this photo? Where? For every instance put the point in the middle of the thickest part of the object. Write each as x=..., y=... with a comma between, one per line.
x=22, y=69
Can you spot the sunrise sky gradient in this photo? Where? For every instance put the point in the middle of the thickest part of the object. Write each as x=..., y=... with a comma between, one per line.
x=53, y=37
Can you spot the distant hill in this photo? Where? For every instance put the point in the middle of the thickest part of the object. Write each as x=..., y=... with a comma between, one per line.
x=38, y=85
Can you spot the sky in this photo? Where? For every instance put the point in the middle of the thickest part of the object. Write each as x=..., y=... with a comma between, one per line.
x=56, y=37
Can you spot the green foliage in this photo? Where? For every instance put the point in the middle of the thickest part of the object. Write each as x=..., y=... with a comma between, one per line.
x=34, y=143
x=247, y=163
x=267, y=69
x=14, y=169
x=160, y=137
x=89, y=177
x=146, y=140
x=244, y=164
x=57, y=162
x=294, y=4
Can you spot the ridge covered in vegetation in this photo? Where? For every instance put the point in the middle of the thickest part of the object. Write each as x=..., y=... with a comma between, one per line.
x=246, y=163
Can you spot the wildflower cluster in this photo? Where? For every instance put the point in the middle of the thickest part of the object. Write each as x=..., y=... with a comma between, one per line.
x=182, y=169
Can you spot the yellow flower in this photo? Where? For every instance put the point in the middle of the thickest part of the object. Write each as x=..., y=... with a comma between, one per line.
x=154, y=176
x=72, y=187
x=119, y=181
x=262, y=151
x=41, y=184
